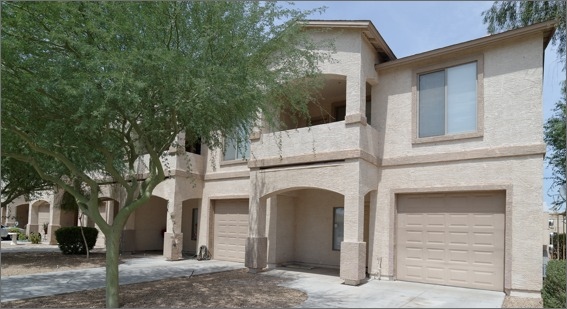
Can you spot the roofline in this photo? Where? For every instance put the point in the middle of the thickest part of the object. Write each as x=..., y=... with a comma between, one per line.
x=548, y=29
x=367, y=26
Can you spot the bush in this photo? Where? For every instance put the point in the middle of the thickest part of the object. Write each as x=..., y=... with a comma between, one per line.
x=21, y=235
x=35, y=238
x=558, y=247
x=71, y=241
x=553, y=292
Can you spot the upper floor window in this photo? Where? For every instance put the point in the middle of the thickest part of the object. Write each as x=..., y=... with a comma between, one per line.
x=447, y=101
x=550, y=223
x=236, y=149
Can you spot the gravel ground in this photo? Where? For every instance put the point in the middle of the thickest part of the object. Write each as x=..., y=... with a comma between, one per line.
x=227, y=289
x=231, y=289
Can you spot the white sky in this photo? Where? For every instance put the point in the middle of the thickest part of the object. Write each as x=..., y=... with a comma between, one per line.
x=411, y=27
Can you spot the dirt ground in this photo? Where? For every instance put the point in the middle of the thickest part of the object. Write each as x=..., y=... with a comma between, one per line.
x=232, y=289
x=226, y=289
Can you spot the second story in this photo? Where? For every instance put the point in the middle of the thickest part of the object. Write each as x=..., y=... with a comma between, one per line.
x=473, y=100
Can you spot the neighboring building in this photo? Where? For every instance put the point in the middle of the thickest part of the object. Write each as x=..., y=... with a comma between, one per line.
x=427, y=168
x=554, y=223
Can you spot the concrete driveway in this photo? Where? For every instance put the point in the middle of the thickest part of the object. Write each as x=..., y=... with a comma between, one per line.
x=323, y=286
x=325, y=290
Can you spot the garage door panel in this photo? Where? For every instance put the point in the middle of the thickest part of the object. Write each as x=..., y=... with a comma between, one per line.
x=452, y=239
x=230, y=230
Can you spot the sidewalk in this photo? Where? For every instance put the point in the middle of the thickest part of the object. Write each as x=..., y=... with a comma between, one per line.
x=131, y=271
x=323, y=286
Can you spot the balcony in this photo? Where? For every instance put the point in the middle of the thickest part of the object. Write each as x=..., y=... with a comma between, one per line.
x=325, y=142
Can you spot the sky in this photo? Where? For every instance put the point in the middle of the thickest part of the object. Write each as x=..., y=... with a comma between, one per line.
x=411, y=27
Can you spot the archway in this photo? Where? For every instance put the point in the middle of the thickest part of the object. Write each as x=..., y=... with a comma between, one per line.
x=305, y=227
x=150, y=224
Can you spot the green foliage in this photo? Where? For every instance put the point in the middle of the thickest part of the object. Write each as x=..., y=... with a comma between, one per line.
x=19, y=179
x=21, y=235
x=35, y=238
x=507, y=15
x=554, y=130
x=71, y=240
x=90, y=87
x=553, y=292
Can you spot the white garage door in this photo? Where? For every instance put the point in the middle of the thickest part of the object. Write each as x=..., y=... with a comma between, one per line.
x=230, y=230
x=452, y=239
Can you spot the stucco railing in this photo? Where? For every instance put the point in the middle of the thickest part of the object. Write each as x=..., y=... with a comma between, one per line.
x=323, y=142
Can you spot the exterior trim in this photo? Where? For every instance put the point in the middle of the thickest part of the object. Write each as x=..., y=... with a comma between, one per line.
x=487, y=153
x=548, y=28
x=227, y=175
x=316, y=157
x=479, y=59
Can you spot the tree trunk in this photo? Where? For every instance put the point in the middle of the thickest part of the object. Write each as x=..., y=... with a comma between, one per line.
x=112, y=257
x=83, y=234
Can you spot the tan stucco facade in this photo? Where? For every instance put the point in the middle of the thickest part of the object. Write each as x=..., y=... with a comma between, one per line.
x=295, y=179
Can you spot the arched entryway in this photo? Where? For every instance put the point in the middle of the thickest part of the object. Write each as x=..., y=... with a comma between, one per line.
x=40, y=216
x=305, y=227
x=150, y=225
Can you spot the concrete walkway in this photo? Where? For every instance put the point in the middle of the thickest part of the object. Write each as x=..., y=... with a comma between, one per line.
x=323, y=286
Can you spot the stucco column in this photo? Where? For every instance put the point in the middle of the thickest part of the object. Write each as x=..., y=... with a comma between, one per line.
x=256, y=243
x=271, y=230
x=353, y=248
x=33, y=225
x=54, y=217
x=355, y=98
x=173, y=238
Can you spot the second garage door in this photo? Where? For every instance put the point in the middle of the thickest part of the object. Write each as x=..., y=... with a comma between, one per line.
x=452, y=239
x=230, y=230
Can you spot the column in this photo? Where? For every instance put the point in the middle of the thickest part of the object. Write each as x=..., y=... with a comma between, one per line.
x=355, y=99
x=33, y=225
x=353, y=247
x=271, y=230
x=257, y=242
x=54, y=217
x=173, y=237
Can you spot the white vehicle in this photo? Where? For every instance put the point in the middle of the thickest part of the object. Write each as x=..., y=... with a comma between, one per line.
x=6, y=229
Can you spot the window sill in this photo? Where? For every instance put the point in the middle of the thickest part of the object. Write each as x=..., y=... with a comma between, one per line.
x=445, y=138
x=234, y=162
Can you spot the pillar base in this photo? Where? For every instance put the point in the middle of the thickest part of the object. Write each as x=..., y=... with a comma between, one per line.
x=256, y=253
x=51, y=233
x=172, y=246
x=353, y=262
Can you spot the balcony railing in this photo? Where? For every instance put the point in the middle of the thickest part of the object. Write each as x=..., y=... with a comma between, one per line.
x=325, y=142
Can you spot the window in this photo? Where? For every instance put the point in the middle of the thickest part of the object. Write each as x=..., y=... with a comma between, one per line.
x=338, y=227
x=194, y=223
x=193, y=147
x=340, y=112
x=236, y=149
x=550, y=223
x=447, y=101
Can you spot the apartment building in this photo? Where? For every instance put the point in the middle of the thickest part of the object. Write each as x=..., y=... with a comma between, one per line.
x=426, y=168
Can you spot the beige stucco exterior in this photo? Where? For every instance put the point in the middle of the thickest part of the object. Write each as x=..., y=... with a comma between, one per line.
x=294, y=179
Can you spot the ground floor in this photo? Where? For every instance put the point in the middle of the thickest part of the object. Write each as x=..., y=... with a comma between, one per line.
x=464, y=223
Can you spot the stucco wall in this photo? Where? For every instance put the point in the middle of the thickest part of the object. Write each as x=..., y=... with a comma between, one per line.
x=150, y=221
x=285, y=231
x=188, y=205
x=314, y=227
x=512, y=101
x=523, y=209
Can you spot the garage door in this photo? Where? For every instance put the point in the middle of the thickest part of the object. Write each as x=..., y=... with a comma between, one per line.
x=230, y=230
x=451, y=239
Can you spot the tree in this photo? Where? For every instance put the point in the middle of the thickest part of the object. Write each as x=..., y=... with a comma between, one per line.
x=507, y=15
x=91, y=87
x=19, y=179
x=555, y=138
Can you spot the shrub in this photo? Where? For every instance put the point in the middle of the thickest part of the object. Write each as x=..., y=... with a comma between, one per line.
x=35, y=238
x=71, y=241
x=21, y=235
x=553, y=292
x=558, y=246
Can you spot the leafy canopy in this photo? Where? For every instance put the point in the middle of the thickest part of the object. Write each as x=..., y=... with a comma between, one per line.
x=91, y=87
